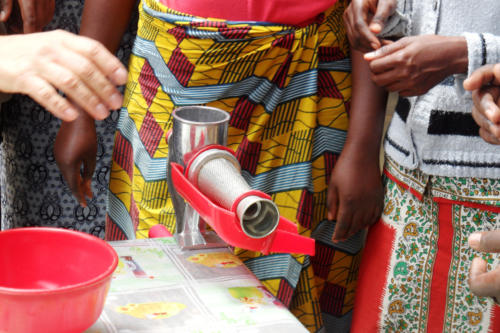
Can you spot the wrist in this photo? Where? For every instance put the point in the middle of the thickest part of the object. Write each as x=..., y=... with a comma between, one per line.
x=459, y=55
x=362, y=153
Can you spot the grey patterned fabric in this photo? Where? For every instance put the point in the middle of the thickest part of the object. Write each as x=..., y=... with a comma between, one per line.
x=32, y=190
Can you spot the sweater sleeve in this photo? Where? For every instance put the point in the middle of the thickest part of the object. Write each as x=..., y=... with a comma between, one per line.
x=482, y=49
x=399, y=24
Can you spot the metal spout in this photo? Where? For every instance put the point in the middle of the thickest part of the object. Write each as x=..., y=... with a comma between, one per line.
x=217, y=174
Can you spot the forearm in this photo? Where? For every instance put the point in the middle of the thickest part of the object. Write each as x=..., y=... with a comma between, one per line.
x=106, y=21
x=366, y=117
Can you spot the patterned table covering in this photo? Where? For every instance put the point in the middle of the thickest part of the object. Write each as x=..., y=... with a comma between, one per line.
x=159, y=288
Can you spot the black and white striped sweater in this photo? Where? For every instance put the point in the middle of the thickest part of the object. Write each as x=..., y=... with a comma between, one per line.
x=435, y=132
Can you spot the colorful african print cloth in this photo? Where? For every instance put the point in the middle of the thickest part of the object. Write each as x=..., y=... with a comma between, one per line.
x=416, y=261
x=287, y=90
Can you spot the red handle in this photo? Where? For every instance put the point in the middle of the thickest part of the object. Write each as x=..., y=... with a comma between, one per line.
x=285, y=239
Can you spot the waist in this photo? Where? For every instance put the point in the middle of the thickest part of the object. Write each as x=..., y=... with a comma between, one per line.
x=289, y=12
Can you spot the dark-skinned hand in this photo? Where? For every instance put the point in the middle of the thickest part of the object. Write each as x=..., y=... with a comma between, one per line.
x=355, y=195
x=482, y=282
x=34, y=14
x=364, y=19
x=76, y=147
x=414, y=65
x=485, y=86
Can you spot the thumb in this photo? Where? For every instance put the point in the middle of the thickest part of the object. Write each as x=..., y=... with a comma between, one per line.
x=5, y=9
x=385, y=9
x=487, y=241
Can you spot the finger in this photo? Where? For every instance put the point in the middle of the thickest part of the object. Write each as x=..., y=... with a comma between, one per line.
x=45, y=95
x=390, y=80
x=488, y=104
x=388, y=62
x=489, y=137
x=333, y=201
x=359, y=19
x=479, y=118
x=344, y=218
x=109, y=65
x=72, y=176
x=489, y=131
x=28, y=14
x=88, y=171
x=386, y=50
x=355, y=225
x=481, y=101
x=486, y=241
x=87, y=186
x=94, y=79
x=66, y=81
x=485, y=75
x=483, y=283
x=384, y=10
x=5, y=10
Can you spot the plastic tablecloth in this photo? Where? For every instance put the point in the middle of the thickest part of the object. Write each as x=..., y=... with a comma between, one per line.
x=157, y=287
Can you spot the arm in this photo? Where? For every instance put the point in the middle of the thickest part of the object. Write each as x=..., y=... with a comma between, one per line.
x=355, y=192
x=76, y=145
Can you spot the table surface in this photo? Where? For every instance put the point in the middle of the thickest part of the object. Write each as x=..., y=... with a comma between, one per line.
x=157, y=287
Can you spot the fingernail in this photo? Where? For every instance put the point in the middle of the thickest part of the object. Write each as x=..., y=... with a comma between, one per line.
x=116, y=101
x=2, y=16
x=370, y=55
x=375, y=27
x=374, y=46
x=102, y=111
x=329, y=216
x=120, y=75
x=474, y=239
x=70, y=114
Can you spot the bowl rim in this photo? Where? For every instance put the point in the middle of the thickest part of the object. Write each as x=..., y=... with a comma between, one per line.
x=99, y=279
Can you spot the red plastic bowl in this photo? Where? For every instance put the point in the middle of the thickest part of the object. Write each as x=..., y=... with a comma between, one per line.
x=52, y=280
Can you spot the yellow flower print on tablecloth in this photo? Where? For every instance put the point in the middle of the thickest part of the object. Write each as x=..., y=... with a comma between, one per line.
x=155, y=310
x=216, y=259
x=251, y=296
x=254, y=297
x=120, y=268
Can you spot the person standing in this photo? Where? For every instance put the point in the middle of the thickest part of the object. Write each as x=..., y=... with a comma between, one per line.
x=441, y=177
x=282, y=71
x=32, y=190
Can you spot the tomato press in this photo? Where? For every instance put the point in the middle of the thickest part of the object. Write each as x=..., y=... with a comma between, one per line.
x=207, y=188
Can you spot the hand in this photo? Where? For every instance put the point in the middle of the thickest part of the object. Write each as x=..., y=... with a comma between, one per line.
x=481, y=282
x=485, y=86
x=355, y=195
x=413, y=65
x=35, y=14
x=364, y=19
x=76, y=146
x=38, y=64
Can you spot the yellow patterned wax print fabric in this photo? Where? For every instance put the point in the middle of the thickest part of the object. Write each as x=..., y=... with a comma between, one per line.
x=287, y=90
